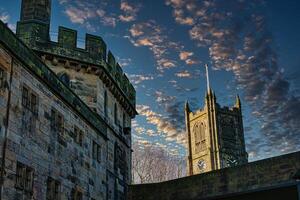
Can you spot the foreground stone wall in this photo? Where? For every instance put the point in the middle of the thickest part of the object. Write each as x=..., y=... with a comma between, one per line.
x=265, y=173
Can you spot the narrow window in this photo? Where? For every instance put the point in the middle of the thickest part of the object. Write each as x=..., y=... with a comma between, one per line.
x=116, y=114
x=34, y=104
x=2, y=79
x=25, y=97
x=20, y=174
x=57, y=121
x=28, y=179
x=98, y=153
x=76, y=194
x=105, y=103
x=94, y=150
x=78, y=136
x=24, y=178
x=53, y=116
x=53, y=189
x=60, y=123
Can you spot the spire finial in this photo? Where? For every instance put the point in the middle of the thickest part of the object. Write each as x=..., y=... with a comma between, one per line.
x=237, y=101
x=187, y=107
x=207, y=78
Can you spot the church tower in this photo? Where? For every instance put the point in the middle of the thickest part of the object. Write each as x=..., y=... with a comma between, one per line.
x=215, y=135
x=34, y=21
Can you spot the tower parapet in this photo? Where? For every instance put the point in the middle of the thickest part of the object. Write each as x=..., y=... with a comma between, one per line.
x=33, y=29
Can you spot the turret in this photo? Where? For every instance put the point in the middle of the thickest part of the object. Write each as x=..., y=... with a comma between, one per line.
x=34, y=21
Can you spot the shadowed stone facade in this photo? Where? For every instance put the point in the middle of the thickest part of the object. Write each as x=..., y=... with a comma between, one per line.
x=65, y=119
x=215, y=136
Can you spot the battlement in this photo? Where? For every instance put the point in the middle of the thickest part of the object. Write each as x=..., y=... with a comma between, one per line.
x=228, y=109
x=36, y=36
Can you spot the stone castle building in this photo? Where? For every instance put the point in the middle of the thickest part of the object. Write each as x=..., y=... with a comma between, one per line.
x=65, y=113
x=215, y=135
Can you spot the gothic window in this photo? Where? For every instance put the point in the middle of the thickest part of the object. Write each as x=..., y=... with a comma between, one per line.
x=53, y=189
x=57, y=121
x=78, y=136
x=199, y=133
x=96, y=152
x=105, y=103
x=24, y=178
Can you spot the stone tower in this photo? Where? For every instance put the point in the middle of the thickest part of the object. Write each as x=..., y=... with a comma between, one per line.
x=34, y=21
x=215, y=135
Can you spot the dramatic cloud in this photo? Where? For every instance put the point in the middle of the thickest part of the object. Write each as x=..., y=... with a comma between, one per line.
x=238, y=41
x=138, y=78
x=89, y=13
x=163, y=124
x=151, y=35
x=130, y=11
x=186, y=57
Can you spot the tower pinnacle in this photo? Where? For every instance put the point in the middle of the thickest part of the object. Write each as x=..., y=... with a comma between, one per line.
x=237, y=102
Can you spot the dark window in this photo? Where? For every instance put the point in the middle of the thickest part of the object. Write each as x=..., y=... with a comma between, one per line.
x=30, y=100
x=76, y=194
x=53, y=189
x=2, y=78
x=116, y=114
x=78, y=136
x=96, y=152
x=25, y=97
x=24, y=177
x=57, y=121
x=105, y=103
x=34, y=104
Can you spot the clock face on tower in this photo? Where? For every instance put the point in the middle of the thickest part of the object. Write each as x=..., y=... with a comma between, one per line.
x=201, y=165
x=231, y=161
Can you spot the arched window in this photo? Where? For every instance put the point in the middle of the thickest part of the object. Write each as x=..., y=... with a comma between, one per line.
x=105, y=103
x=199, y=133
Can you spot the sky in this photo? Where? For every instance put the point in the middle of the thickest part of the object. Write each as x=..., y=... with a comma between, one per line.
x=252, y=49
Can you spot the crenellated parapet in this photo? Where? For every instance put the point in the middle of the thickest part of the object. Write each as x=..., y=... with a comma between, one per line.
x=94, y=58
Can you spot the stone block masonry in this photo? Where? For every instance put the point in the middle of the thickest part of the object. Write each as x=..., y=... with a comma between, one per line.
x=49, y=152
x=53, y=145
x=276, y=177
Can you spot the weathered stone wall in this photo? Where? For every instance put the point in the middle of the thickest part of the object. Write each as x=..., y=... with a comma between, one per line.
x=88, y=79
x=256, y=175
x=31, y=141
